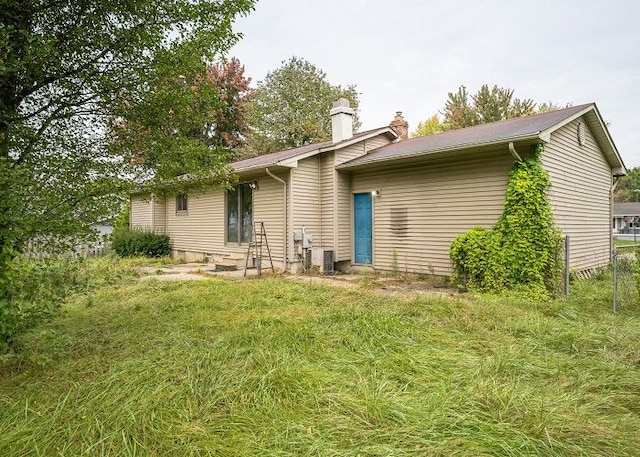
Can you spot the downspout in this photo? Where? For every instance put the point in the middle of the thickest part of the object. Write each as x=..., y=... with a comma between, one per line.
x=284, y=213
x=152, y=203
x=616, y=180
x=513, y=151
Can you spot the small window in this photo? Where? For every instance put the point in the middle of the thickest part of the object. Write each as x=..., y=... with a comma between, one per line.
x=181, y=203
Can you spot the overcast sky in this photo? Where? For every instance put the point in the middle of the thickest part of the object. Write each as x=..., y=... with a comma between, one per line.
x=406, y=55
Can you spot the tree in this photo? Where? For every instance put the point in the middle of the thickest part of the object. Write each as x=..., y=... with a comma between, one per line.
x=70, y=71
x=290, y=107
x=428, y=127
x=487, y=105
x=628, y=188
x=458, y=110
x=198, y=115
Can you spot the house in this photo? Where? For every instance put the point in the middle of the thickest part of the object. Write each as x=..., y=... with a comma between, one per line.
x=378, y=198
x=626, y=218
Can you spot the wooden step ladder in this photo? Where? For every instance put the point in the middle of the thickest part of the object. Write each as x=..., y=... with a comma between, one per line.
x=258, y=241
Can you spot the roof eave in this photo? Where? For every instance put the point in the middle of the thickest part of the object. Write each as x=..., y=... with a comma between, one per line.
x=601, y=132
x=281, y=164
x=355, y=140
x=528, y=137
x=292, y=162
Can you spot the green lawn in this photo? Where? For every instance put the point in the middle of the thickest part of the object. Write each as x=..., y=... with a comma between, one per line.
x=617, y=242
x=276, y=367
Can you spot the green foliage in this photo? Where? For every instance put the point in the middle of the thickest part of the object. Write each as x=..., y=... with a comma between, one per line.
x=477, y=259
x=274, y=367
x=290, y=107
x=71, y=74
x=487, y=105
x=628, y=188
x=37, y=288
x=121, y=221
x=183, y=123
x=524, y=248
x=137, y=242
x=428, y=127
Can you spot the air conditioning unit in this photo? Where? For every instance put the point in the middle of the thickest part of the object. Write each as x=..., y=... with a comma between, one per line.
x=324, y=259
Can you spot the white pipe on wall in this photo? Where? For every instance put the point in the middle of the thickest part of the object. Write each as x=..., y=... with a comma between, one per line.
x=284, y=211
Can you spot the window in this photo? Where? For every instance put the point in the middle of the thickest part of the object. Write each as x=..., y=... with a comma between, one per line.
x=239, y=214
x=181, y=203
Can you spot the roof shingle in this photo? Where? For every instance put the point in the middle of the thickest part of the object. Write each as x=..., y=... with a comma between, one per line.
x=273, y=158
x=508, y=130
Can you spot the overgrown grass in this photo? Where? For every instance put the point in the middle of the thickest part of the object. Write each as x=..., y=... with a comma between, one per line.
x=618, y=242
x=276, y=367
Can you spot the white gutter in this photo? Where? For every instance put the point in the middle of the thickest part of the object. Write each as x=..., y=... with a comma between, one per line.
x=284, y=231
x=534, y=136
x=514, y=153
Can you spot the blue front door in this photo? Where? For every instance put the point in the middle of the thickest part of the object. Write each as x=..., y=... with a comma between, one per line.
x=362, y=225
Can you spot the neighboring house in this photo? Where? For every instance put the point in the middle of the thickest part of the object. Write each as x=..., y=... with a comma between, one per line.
x=377, y=198
x=626, y=218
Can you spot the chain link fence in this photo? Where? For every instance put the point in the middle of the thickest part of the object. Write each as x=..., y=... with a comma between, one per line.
x=625, y=264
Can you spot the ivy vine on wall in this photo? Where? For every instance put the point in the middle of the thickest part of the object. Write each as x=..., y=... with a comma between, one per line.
x=524, y=248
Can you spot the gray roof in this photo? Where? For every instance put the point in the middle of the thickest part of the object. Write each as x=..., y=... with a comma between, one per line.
x=523, y=128
x=626, y=209
x=275, y=158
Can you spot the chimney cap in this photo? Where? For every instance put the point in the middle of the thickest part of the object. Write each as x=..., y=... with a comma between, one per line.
x=341, y=106
x=341, y=102
x=400, y=126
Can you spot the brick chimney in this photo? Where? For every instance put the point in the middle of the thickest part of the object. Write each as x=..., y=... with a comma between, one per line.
x=341, y=120
x=400, y=126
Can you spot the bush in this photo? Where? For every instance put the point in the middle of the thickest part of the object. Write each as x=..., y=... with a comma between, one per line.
x=477, y=258
x=36, y=288
x=523, y=250
x=33, y=293
x=135, y=242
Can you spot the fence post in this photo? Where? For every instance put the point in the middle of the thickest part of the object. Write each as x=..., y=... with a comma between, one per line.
x=615, y=280
x=566, y=265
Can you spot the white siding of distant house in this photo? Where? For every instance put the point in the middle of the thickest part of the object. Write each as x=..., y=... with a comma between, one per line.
x=580, y=194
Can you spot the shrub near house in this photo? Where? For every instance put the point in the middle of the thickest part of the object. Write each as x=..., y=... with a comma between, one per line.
x=136, y=242
x=523, y=249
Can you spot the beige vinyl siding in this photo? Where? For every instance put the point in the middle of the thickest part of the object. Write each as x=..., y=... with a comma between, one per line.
x=268, y=208
x=305, y=180
x=422, y=208
x=351, y=152
x=159, y=215
x=376, y=142
x=343, y=217
x=327, y=206
x=140, y=212
x=580, y=191
x=342, y=201
x=201, y=227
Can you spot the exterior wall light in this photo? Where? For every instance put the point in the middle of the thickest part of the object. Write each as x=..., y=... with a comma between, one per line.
x=376, y=193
